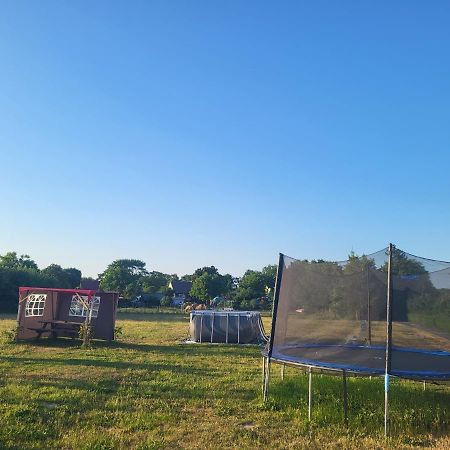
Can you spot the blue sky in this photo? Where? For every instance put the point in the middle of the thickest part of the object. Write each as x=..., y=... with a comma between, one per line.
x=223, y=132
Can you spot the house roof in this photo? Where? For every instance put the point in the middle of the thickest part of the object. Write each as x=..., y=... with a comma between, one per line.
x=180, y=286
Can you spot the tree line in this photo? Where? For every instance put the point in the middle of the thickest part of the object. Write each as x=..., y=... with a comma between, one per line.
x=253, y=290
x=131, y=278
x=21, y=270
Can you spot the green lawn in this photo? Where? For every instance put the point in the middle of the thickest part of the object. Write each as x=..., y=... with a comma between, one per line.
x=148, y=390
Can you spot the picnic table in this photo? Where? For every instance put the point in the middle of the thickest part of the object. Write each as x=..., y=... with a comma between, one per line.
x=55, y=326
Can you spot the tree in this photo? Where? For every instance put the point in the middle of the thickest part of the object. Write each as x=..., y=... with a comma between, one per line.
x=201, y=286
x=209, y=285
x=210, y=270
x=154, y=282
x=60, y=278
x=124, y=276
x=11, y=261
x=74, y=277
x=167, y=298
x=255, y=288
x=402, y=265
x=270, y=272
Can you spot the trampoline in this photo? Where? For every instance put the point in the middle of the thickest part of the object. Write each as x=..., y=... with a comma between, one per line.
x=385, y=313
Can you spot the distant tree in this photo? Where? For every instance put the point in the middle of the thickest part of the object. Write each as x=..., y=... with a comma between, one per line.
x=209, y=285
x=201, y=287
x=11, y=279
x=166, y=300
x=357, y=264
x=270, y=272
x=87, y=279
x=402, y=265
x=154, y=281
x=252, y=285
x=10, y=260
x=60, y=278
x=255, y=288
x=74, y=277
x=124, y=276
x=210, y=270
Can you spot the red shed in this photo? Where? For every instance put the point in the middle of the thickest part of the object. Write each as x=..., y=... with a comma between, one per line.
x=60, y=312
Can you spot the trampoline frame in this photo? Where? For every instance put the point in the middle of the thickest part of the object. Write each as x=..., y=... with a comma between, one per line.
x=268, y=357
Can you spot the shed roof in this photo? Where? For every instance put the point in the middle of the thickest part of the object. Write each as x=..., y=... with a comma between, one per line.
x=67, y=291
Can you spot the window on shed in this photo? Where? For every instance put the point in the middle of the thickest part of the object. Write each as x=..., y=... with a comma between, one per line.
x=35, y=305
x=78, y=308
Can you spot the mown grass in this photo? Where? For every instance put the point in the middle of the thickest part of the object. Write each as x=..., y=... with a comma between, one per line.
x=149, y=390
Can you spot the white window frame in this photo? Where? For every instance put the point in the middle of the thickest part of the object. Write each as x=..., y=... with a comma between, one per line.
x=35, y=305
x=78, y=309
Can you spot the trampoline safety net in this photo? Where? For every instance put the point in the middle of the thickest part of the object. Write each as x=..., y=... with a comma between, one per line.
x=334, y=315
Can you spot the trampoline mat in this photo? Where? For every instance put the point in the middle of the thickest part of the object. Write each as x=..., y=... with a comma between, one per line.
x=406, y=362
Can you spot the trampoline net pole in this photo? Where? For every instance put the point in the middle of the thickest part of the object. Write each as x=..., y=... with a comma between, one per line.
x=369, y=324
x=389, y=303
x=276, y=297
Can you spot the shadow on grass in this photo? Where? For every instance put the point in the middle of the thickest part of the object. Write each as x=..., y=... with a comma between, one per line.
x=151, y=366
x=177, y=349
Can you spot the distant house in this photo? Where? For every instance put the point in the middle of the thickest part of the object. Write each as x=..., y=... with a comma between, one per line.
x=181, y=290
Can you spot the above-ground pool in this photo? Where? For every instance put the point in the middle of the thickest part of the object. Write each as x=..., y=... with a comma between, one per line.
x=228, y=327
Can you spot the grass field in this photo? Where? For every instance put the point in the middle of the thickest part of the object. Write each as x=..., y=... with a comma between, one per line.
x=149, y=390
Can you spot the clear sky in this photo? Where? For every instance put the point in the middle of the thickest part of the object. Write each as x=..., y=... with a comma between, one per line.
x=191, y=133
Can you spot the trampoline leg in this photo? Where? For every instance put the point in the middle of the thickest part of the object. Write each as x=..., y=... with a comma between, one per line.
x=424, y=385
x=386, y=405
x=266, y=380
x=310, y=395
x=282, y=371
x=344, y=385
x=263, y=374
